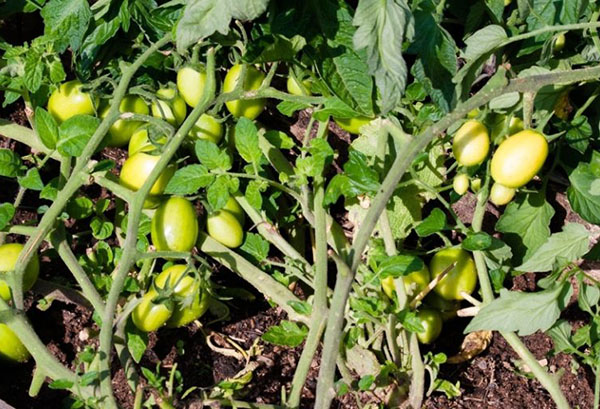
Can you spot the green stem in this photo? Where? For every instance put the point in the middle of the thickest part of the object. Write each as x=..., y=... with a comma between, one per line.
x=549, y=29
x=25, y=136
x=417, y=384
x=276, y=185
x=597, y=388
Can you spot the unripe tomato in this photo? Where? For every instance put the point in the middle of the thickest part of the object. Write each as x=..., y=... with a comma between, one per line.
x=519, y=158
x=414, y=283
x=225, y=228
x=140, y=142
x=501, y=195
x=471, y=143
x=148, y=316
x=352, y=125
x=9, y=253
x=186, y=289
x=463, y=277
x=68, y=100
x=11, y=347
x=121, y=131
x=169, y=106
x=559, y=43
x=461, y=183
x=476, y=185
x=234, y=207
x=515, y=125
x=136, y=170
x=446, y=308
x=174, y=225
x=294, y=88
x=249, y=108
x=190, y=83
x=431, y=320
x=474, y=113
x=208, y=128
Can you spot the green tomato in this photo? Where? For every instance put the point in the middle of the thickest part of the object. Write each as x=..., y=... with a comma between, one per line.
x=446, y=308
x=476, y=185
x=11, y=347
x=460, y=184
x=136, y=170
x=471, y=143
x=515, y=124
x=121, y=131
x=148, y=316
x=207, y=127
x=140, y=142
x=225, y=228
x=431, y=320
x=559, y=43
x=414, y=283
x=294, y=88
x=463, y=277
x=190, y=83
x=501, y=195
x=174, y=225
x=519, y=158
x=234, y=207
x=250, y=108
x=188, y=290
x=169, y=106
x=68, y=100
x=9, y=253
x=352, y=125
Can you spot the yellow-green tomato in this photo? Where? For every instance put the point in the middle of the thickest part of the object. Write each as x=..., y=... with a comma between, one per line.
x=431, y=321
x=148, y=316
x=225, y=228
x=234, y=207
x=121, y=131
x=188, y=290
x=462, y=278
x=169, y=106
x=136, y=170
x=460, y=184
x=471, y=143
x=68, y=100
x=140, y=142
x=515, y=125
x=519, y=158
x=207, y=127
x=9, y=253
x=414, y=283
x=250, y=108
x=11, y=347
x=190, y=84
x=352, y=125
x=559, y=43
x=174, y=225
x=294, y=88
x=501, y=195
x=476, y=185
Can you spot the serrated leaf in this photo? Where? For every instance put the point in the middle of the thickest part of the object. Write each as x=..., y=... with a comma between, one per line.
x=253, y=194
x=66, y=21
x=246, y=140
x=46, y=127
x=256, y=246
x=287, y=333
x=477, y=241
x=217, y=193
x=301, y=307
x=288, y=108
x=211, y=156
x=75, y=133
x=7, y=212
x=10, y=163
x=435, y=222
x=137, y=342
x=584, y=192
x=188, y=180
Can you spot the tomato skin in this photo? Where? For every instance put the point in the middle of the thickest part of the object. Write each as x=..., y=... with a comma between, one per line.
x=414, y=283
x=463, y=277
x=225, y=228
x=559, y=43
x=121, y=131
x=169, y=106
x=501, y=195
x=352, y=125
x=461, y=183
x=475, y=185
x=431, y=320
x=190, y=84
x=136, y=170
x=208, y=128
x=519, y=158
x=174, y=226
x=186, y=287
x=9, y=253
x=250, y=108
x=234, y=207
x=11, y=347
x=446, y=308
x=295, y=89
x=148, y=316
x=139, y=142
x=68, y=100
x=471, y=143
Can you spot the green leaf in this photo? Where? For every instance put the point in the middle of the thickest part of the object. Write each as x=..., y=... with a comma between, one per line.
x=211, y=156
x=46, y=127
x=497, y=256
x=188, y=180
x=321, y=155
x=288, y=108
x=101, y=228
x=256, y=246
x=404, y=209
x=477, y=241
x=50, y=191
x=287, y=333
x=31, y=180
x=398, y=266
x=217, y=193
x=279, y=139
x=88, y=378
x=524, y=313
x=525, y=224
x=579, y=133
x=60, y=384
x=435, y=222
x=584, y=192
x=66, y=21
x=569, y=245
x=572, y=10
x=137, y=342
x=301, y=307
x=271, y=48
x=365, y=383
x=358, y=178
x=382, y=28
x=561, y=335
x=34, y=71
x=75, y=133
x=7, y=212
x=253, y=194
x=10, y=163
x=80, y=207
x=246, y=141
